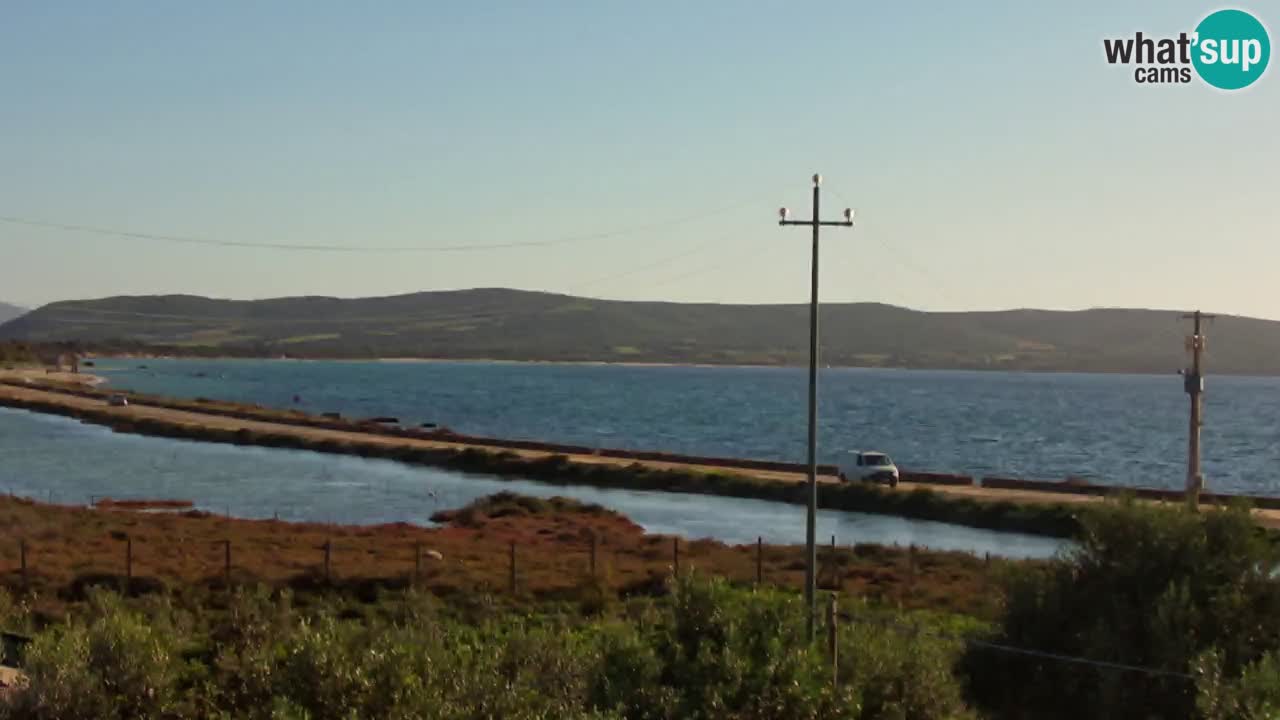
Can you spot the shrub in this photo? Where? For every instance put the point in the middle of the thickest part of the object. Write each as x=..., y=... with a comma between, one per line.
x=15, y=616
x=115, y=666
x=705, y=650
x=1254, y=695
x=1146, y=586
x=728, y=654
x=901, y=669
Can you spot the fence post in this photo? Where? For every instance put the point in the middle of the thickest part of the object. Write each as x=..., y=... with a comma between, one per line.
x=513, y=567
x=986, y=574
x=759, y=560
x=226, y=562
x=675, y=555
x=417, y=562
x=831, y=560
x=832, y=644
x=328, y=548
x=593, y=555
x=911, y=567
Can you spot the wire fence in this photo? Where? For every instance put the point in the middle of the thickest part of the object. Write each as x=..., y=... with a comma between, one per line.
x=417, y=563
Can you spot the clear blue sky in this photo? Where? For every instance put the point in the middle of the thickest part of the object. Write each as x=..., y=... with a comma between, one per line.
x=995, y=160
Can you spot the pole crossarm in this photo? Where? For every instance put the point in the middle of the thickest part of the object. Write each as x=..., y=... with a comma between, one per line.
x=824, y=223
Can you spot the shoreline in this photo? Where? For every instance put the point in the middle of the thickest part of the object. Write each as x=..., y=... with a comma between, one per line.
x=495, y=361
x=656, y=364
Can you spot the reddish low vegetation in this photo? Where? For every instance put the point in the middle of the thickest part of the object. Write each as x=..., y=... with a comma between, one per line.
x=70, y=548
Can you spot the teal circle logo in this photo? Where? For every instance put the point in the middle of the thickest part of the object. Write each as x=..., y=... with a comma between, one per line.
x=1231, y=49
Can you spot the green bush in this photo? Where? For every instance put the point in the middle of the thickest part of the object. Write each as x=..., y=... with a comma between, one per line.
x=15, y=616
x=707, y=650
x=729, y=655
x=1146, y=586
x=902, y=670
x=114, y=666
x=1253, y=695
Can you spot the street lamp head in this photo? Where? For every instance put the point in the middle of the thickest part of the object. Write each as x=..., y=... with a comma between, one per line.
x=848, y=215
x=817, y=179
x=783, y=213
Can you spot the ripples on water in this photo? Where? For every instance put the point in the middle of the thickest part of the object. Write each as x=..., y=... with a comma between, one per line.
x=1122, y=429
x=58, y=459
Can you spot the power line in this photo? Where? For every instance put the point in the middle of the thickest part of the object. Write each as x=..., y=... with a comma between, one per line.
x=655, y=264
x=1104, y=664
x=901, y=628
x=215, y=242
x=900, y=255
x=737, y=260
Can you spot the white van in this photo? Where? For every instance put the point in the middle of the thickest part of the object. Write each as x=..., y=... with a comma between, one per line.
x=869, y=467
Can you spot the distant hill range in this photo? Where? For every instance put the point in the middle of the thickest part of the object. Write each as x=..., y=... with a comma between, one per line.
x=516, y=325
x=9, y=312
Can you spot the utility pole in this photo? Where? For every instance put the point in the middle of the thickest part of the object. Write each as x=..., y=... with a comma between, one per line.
x=1193, y=383
x=811, y=550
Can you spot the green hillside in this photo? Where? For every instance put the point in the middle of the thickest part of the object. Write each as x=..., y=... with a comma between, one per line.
x=9, y=312
x=517, y=325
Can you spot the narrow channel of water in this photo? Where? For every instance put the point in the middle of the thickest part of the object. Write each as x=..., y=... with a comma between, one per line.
x=60, y=459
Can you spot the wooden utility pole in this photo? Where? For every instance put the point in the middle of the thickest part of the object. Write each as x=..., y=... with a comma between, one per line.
x=1193, y=383
x=811, y=493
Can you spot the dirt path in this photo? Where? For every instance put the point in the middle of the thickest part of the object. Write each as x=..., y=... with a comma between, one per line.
x=36, y=374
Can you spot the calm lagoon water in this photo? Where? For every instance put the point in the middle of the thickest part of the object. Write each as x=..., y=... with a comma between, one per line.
x=1122, y=429
x=54, y=458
